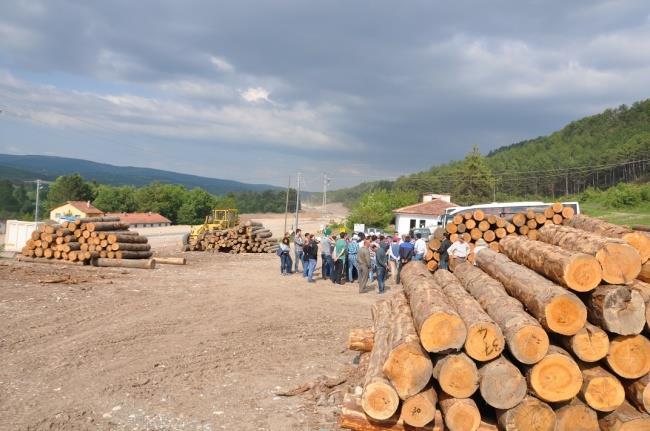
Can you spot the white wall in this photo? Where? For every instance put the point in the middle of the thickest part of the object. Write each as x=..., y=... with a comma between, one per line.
x=18, y=232
x=403, y=222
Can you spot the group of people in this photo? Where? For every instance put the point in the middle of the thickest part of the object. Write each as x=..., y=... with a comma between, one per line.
x=358, y=257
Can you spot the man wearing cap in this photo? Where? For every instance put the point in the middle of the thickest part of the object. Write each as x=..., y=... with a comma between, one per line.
x=353, y=249
x=363, y=265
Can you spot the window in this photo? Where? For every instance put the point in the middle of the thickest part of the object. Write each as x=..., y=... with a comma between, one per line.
x=422, y=223
x=412, y=223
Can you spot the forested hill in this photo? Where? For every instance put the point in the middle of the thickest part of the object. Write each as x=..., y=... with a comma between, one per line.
x=30, y=167
x=597, y=151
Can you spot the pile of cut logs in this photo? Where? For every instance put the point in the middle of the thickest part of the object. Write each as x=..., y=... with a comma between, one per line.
x=248, y=237
x=87, y=239
x=475, y=225
x=546, y=335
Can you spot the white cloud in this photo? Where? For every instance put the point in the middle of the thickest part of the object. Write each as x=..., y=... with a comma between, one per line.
x=256, y=94
x=222, y=64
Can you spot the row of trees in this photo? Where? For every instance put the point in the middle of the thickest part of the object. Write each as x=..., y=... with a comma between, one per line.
x=178, y=203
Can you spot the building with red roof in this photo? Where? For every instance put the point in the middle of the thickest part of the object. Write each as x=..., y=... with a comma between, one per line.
x=136, y=220
x=421, y=215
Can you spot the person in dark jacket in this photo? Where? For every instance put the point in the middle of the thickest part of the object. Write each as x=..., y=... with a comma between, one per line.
x=382, y=265
x=444, y=256
x=406, y=253
x=311, y=250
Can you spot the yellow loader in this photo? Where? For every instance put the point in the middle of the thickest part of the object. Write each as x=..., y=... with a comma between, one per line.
x=219, y=219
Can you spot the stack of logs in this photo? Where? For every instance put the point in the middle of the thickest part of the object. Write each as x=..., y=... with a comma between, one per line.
x=85, y=239
x=475, y=225
x=547, y=335
x=248, y=237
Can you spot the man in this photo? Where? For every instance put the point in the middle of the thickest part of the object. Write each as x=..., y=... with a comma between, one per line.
x=393, y=254
x=382, y=266
x=420, y=247
x=405, y=254
x=340, y=250
x=353, y=249
x=363, y=265
x=311, y=255
x=298, y=242
x=443, y=250
x=458, y=252
x=326, y=254
x=305, y=259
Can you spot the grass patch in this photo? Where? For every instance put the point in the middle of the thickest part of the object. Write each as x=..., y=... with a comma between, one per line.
x=623, y=216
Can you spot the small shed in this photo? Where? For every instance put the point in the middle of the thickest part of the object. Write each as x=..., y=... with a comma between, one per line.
x=148, y=219
x=75, y=209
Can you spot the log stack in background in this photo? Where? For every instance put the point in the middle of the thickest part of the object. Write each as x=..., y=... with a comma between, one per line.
x=547, y=343
x=86, y=239
x=247, y=237
x=475, y=225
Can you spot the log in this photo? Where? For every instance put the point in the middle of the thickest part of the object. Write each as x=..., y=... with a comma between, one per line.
x=128, y=247
x=379, y=399
x=638, y=393
x=557, y=207
x=26, y=259
x=489, y=235
x=478, y=215
x=420, y=409
x=484, y=339
x=576, y=416
x=578, y=271
x=519, y=219
x=620, y=262
x=121, y=238
x=97, y=226
x=556, y=377
x=125, y=263
x=501, y=384
x=470, y=224
x=589, y=344
x=644, y=275
x=557, y=309
x=408, y=367
x=96, y=220
x=133, y=254
x=525, y=338
x=460, y=414
x=639, y=240
x=360, y=340
x=439, y=326
x=456, y=374
x=617, y=309
x=171, y=260
x=629, y=356
x=640, y=227
x=529, y=414
x=625, y=418
x=354, y=418
x=568, y=213
x=601, y=390
x=644, y=290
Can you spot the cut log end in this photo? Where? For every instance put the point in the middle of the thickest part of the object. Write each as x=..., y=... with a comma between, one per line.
x=379, y=400
x=443, y=331
x=620, y=263
x=566, y=314
x=484, y=341
x=576, y=416
x=530, y=414
x=590, y=344
x=420, y=409
x=604, y=393
x=460, y=414
x=641, y=242
x=502, y=385
x=457, y=375
x=408, y=357
x=529, y=345
x=555, y=378
x=583, y=273
x=629, y=356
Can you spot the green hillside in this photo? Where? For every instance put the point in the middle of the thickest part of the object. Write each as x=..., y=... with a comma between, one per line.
x=597, y=151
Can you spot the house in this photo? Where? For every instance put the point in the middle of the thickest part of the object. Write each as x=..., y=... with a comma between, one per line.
x=148, y=219
x=78, y=209
x=424, y=214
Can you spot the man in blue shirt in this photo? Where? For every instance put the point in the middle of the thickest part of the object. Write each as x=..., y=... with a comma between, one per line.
x=353, y=249
x=406, y=253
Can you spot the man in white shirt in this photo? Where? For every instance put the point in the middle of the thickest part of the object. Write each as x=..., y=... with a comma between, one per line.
x=458, y=251
x=420, y=247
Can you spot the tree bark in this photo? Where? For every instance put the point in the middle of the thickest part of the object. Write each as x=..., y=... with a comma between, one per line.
x=639, y=240
x=484, y=340
x=456, y=374
x=526, y=339
x=557, y=309
x=171, y=260
x=578, y=271
x=125, y=263
x=629, y=356
x=439, y=326
x=501, y=384
x=625, y=418
x=644, y=290
x=130, y=239
x=617, y=309
x=601, y=390
x=408, y=366
x=361, y=340
x=644, y=275
x=556, y=377
x=460, y=414
x=638, y=392
x=589, y=344
x=98, y=226
x=379, y=399
x=619, y=261
x=128, y=247
x=529, y=414
x=420, y=409
x=133, y=254
x=576, y=416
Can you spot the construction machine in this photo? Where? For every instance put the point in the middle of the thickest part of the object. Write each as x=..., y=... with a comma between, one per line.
x=218, y=219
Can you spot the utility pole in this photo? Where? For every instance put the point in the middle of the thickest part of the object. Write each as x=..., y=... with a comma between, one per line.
x=566, y=183
x=326, y=182
x=297, y=202
x=38, y=189
x=286, y=206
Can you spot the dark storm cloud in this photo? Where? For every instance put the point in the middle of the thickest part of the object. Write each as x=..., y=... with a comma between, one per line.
x=360, y=89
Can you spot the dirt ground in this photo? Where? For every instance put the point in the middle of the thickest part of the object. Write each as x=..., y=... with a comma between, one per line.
x=204, y=346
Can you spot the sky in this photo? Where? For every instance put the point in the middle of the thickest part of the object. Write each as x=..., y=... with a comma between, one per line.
x=257, y=91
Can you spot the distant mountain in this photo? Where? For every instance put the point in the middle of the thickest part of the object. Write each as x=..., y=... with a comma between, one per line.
x=29, y=167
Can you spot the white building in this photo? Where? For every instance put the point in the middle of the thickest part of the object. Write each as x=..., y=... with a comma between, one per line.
x=424, y=214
